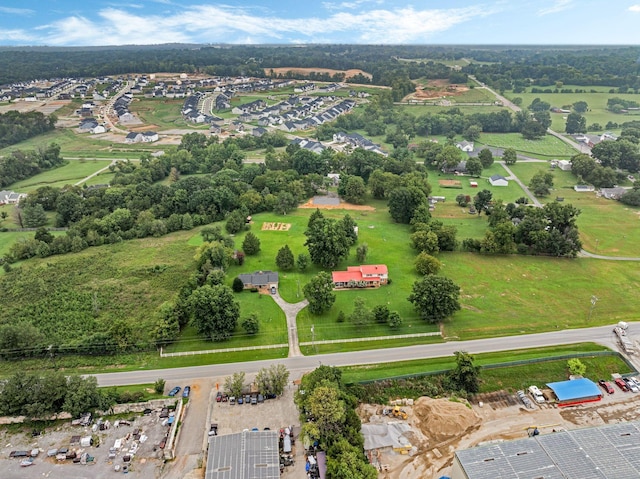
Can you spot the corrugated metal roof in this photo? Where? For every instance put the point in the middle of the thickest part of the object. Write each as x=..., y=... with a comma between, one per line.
x=245, y=455
x=606, y=452
x=575, y=389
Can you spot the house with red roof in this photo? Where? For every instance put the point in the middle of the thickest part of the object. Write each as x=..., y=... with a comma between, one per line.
x=364, y=276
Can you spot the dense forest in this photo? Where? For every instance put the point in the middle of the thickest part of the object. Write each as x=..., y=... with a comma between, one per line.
x=16, y=126
x=502, y=67
x=20, y=165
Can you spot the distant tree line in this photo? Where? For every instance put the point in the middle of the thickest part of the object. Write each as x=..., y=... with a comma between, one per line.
x=16, y=126
x=20, y=165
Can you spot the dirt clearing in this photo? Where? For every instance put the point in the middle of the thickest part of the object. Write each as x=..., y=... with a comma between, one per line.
x=341, y=206
x=438, y=427
x=306, y=71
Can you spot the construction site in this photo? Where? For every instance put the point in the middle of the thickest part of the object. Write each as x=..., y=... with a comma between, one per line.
x=417, y=439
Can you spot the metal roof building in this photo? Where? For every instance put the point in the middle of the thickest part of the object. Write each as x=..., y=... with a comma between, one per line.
x=244, y=455
x=575, y=391
x=605, y=452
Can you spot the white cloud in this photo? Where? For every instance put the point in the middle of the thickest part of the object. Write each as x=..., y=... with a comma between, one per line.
x=634, y=8
x=211, y=24
x=16, y=35
x=16, y=11
x=558, y=6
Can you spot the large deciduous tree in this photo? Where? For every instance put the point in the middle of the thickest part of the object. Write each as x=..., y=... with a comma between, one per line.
x=466, y=375
x=328, y=240
x=509, y=156
x=403, y=203
x=319, y=293
x=576, y=123
x=541, y=183
x=214, y=311
x=435, y=298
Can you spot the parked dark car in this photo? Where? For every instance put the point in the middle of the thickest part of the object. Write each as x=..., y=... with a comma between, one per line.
x=621, y=384
x=240, y=400
x=219, y=397
x=606, y=386
x=186, y=392
x=174, y=391
x=260, y=398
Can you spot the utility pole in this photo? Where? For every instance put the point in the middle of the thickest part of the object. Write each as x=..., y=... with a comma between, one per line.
x=313, y=336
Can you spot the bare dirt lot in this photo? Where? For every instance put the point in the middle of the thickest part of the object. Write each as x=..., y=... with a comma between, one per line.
x=436, y=89
x=305, y=71
x=440, y=426
x=342, y=206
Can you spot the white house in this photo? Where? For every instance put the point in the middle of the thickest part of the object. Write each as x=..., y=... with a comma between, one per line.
x=466, y=146
x=10, y=197
x=498, y=180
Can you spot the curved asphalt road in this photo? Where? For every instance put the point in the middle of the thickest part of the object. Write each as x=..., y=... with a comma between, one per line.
x=297, y=365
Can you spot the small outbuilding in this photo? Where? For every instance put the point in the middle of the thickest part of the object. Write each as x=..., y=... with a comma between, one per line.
x=498, y=180
x=575, y=392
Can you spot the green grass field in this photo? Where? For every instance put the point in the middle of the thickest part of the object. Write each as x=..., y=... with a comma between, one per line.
x=597, y=105
x=72, y=172
x=273, y=327
x=607, y=227
x=548, y=147
x=164, y=113
x=418, y=110
x=493, y=379
x=503, y=295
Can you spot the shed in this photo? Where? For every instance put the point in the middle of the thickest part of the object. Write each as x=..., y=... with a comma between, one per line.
x=575, y=392
x=498, y=180
x=583, y=188
x=564, y=165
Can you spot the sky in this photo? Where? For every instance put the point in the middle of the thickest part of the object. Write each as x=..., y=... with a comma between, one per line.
x=101, y=23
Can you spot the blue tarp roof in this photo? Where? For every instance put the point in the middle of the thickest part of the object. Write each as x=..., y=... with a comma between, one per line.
x=575, y=390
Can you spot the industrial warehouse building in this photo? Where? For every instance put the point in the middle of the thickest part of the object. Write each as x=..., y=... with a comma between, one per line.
x=605, y=452
x=244, y=455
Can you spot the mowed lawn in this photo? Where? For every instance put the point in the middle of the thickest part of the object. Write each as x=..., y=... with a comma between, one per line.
x=388, y=243
x=273, y=327
x=72, y=172
x=607, y=227
x=597, y=102
x=505, y=295
x=546, y=147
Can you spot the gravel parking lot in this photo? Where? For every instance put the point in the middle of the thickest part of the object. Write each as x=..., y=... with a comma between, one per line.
x=145, y=463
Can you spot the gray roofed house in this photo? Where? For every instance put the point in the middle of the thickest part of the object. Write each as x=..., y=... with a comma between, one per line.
x=263, y=280
x=244, y=455
x=613, y=193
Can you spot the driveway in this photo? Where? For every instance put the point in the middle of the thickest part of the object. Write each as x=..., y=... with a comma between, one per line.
x=291, y=311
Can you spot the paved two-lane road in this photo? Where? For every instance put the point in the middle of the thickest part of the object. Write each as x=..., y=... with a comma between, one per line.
x=297, y=365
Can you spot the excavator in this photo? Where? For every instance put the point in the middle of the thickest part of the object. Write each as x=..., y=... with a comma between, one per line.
x=397, y=412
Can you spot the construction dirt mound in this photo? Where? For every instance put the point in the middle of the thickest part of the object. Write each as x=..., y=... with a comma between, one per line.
x=443, y=420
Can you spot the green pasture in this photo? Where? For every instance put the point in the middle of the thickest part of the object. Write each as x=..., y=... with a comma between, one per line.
x=379, y=343
x=273, y=327
x=507, y=295
x=72, y=172
x=597, y=102
x=164, y=113
x=607, y=227
x=547, y=147
x=419, y=110
x=374, y=372
x=72, y=144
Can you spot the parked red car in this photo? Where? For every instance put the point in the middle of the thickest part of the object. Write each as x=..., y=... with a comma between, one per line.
x=621, y=384
x=606, y=386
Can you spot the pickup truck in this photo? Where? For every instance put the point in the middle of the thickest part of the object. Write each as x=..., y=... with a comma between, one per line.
x=213, y=430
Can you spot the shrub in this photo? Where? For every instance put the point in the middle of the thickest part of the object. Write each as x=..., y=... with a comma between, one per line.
x=158, y=386
x=237, y=285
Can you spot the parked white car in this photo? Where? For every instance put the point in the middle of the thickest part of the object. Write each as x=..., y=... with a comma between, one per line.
x=537, y=394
